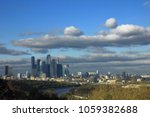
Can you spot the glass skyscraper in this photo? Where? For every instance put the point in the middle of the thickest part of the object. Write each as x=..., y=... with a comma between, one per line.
x=50, y=68
x=33, y=66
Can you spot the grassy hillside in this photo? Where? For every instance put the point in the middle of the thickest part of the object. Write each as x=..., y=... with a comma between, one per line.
x=116, y=92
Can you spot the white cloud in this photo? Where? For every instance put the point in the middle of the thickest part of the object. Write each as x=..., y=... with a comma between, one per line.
x=72, y=31
x=129, y=29
x=117, y=36
x=121, y=36
x=111, y=23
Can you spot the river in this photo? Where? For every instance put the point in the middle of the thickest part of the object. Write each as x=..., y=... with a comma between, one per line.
x=62, y=90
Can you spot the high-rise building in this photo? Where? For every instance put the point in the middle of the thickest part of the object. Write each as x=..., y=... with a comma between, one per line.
x=50, y=68
x=43, y=67
x=33, y=66
x=59, y=70
x=8, y=70
x=38, y=67
x=48, y=64
x=53, y=68
x=48, y=59
x=48, y=74
x=66, y=70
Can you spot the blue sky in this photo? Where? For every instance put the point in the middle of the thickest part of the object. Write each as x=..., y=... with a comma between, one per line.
x=24, y=19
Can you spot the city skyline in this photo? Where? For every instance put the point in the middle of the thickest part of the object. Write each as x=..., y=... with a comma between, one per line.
x=88, y=35
x=49, y=67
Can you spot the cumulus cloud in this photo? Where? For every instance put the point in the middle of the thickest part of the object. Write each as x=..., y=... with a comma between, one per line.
x=130, y=30
x=121, y=36
x=99, y=56
x=72, y=31
x=111, y=23
x=6, y=51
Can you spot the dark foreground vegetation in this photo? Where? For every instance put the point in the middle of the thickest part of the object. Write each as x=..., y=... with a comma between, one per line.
x=12, y=90
x=41, y=90
x=30, y=90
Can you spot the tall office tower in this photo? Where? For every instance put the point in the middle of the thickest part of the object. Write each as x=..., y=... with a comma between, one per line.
x=33, y=66
x=48, y=62
x=59, y=70
x=66, y=71
x=38, y=67
x=43, y=67
x=48, y=74
x=8, y=70
x=53, y=68
x=48, y=59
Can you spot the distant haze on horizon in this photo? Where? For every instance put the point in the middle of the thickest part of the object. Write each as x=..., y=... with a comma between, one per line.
x=105, y=35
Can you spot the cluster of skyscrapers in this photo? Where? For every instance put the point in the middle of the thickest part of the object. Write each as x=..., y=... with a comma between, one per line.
x=50, y=68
